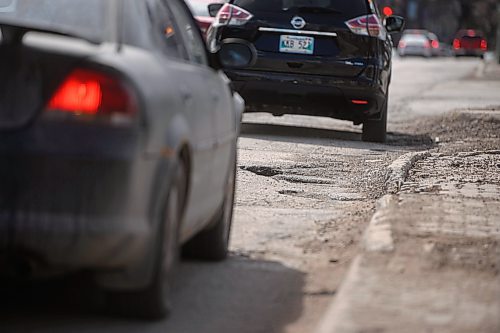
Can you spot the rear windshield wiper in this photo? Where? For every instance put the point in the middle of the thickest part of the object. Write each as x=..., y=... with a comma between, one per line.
x=313, y=9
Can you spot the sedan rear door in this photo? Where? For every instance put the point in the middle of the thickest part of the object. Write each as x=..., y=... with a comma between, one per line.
x=215, y=99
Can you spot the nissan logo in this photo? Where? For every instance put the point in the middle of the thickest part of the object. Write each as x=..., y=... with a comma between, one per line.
x=298, y=22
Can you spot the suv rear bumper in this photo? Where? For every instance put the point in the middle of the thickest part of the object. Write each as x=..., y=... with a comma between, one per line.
x=316, y=95
x=469, y=52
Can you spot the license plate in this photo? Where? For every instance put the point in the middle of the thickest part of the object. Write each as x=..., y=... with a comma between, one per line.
x=296, y=44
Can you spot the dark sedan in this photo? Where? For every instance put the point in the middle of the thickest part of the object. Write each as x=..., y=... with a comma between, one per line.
x=470, y=43
x=117, y=144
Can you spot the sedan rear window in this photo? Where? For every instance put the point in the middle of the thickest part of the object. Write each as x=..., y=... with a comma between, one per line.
x=350, y=9
x=415, y=38
x=82, y=18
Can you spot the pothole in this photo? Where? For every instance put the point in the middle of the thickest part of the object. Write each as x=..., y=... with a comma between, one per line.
x=262, y=170
x=304, y=179
x=290, y=192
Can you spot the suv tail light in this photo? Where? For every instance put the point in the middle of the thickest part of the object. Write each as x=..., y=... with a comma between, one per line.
x=367, y=25
x=232, y=15
x=88, y=92
x=484, y=45
x=457, y=44
x=435, y=44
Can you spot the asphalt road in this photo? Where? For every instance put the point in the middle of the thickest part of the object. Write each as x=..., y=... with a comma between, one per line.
x=306, y=190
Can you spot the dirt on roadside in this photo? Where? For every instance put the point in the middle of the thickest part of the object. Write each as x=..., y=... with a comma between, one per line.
x=458, y=131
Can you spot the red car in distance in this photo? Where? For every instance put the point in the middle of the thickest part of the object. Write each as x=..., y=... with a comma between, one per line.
x=470, y=43
x=201, y=14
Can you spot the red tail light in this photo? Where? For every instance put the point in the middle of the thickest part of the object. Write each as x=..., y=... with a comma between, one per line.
x=457, y=44
x=367, y=25
x=435, y=44
x=402, y=44
x=427, y=44
x=359, y=102
x=232, y=15
x=484, y=45
x=90, y=92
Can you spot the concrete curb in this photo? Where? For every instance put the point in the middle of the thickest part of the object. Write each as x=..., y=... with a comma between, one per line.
x=376, y=238
x=378, y=235
x=397, y=172
x=334, y=317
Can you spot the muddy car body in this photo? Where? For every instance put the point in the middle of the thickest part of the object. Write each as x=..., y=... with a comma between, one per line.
x=113, y=151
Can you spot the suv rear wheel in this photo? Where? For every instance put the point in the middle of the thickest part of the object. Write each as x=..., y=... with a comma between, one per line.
x=376, y=130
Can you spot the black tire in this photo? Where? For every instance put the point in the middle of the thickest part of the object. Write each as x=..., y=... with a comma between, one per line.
x=213, y=243
x=376, y=130
x=154, y=301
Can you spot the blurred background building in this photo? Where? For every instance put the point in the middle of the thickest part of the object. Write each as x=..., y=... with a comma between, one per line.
x=446, y=17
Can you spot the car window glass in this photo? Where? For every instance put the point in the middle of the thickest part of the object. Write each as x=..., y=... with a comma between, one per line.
x=374, y=7
x=88, y=19
x=188, y=29
x=164, y=30
x=135, y=15
x=351, y=8
x=415, y=38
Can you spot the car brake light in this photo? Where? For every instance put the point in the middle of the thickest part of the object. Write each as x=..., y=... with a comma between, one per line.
x=359, y=101
x=88, y=92
x=484, y=45
x=435, y=44
x=456, y=44
x=402, y=44
x=232, y=15
x=367, y=25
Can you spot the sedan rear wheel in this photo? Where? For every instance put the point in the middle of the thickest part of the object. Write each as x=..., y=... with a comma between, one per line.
x=213, y=243
x=376, y=130
x=154, y=301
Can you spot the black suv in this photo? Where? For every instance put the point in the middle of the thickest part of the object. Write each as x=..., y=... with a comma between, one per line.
x=315, y=57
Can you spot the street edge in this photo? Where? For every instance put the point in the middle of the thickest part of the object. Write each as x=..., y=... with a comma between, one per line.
x=397, y=172
x=376, y=238
x=378, y=235
x=335, y=316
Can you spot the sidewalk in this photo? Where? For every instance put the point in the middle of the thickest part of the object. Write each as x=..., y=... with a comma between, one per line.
x=431, y=257
x=490, y=70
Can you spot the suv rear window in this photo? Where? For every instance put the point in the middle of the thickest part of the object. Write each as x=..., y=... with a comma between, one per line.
x=349, y=9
